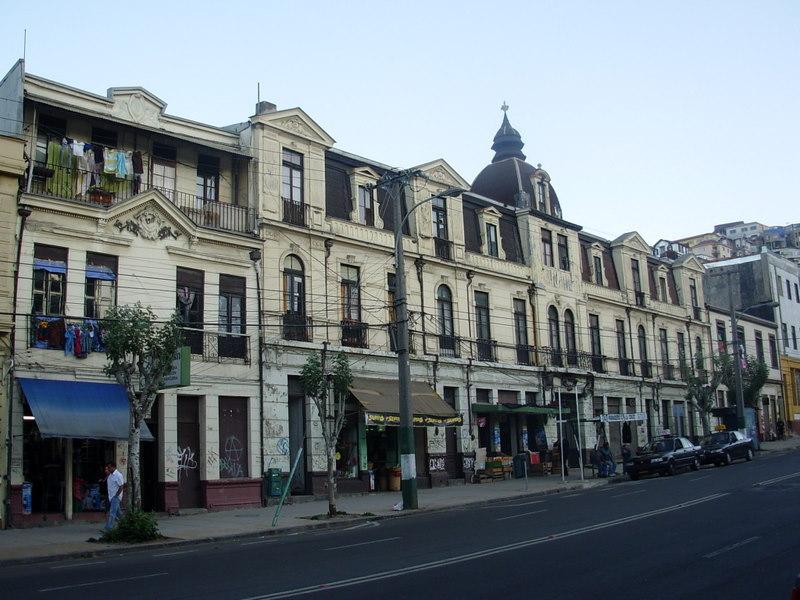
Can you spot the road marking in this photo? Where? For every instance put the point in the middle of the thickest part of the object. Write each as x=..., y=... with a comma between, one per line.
x=391, y=539
x=496, y=506
x=362, y=525
x=571, y=496
x=698, y=478
x=628, y=493
x=533, y=512
x=342, y=583
x=101, y=582
x=259, y=542
x=776, y=479
x=731, y=547
x=86, y=564
x=175, y=553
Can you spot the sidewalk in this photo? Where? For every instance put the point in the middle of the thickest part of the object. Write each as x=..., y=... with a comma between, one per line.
x=19, y=545
x=790, y=443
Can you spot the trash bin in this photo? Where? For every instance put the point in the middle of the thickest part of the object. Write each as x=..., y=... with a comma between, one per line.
x=520, y=464
x=274, y=483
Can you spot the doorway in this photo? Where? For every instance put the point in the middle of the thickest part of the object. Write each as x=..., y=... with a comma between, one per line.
x=452, y=464
x=297, y=434
x=679, y=418
x=149, y=463
x=188, y=451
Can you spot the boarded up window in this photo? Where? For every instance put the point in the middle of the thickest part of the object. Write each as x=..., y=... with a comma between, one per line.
x=233, y=458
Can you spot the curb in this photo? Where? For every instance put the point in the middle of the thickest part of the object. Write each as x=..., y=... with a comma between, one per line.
x=130, y=549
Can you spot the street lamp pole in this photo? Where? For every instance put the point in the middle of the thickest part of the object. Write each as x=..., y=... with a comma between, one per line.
x=408, y=462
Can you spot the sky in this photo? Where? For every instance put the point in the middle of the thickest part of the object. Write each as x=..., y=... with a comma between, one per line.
x=661, y=117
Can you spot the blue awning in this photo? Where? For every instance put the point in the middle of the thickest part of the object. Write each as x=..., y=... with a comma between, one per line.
x=53, y=266
x=80, y=409
x=100, y=272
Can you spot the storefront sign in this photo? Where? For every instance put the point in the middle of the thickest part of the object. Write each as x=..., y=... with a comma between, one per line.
x=418, y=420
x=618, y=418
x=180, y=374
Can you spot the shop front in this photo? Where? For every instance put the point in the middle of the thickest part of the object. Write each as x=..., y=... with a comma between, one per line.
x=70, y=430
x=508, y=429
x=379, y=412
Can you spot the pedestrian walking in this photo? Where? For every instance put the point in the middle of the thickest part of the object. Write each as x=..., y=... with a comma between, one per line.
x=116, y=486
x=781, y=429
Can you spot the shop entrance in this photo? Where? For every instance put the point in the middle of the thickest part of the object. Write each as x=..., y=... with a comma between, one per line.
x=679, y=418
x=452, y=464
x=297, y=434
x=382, y=454
x=188, y=451
x=149, y=463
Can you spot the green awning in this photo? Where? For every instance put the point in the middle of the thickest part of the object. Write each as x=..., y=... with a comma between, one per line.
x=520, y=409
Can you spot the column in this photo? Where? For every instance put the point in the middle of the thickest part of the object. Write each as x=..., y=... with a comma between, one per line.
x=168, y=450
x=209, y=437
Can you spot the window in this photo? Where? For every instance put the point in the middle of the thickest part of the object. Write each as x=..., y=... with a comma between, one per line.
x=642, y=344
x=698, y=353
x=740, y=339
x=794, y=338
x=444, y=300
x=569, y=338
x=662, y=283
x=232, y=316
x=622, y=349
x=294, y=292
x=104, y=137
x=662, y=337
x=49, y=280
x=788, y=289
x=779, y=284
x=681, y=347
x=439, y=208
x=491, y=240
x=785, y=335
x=520, y=322
x=796, y=293
x=759, y=346
x=773, y=352
x=554, y=334
x=637, y=278
x=189, y=305
x=722, y=343
x=542, y=189
x=366, y=214
x=163, y=169
x=594, y=334
x=207, y=178
x=547, y=247
x=100, y=287
x=292, y=177
x=563, y=252
x=233, y=455
x=483, y=328
x=351, y=294
x=598, y=270
x=693, y=292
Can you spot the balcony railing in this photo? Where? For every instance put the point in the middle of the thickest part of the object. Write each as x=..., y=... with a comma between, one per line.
x=667, y=371
x=450, y=345
x=486, y=349
x=294, y=213
x=391, y=332
x=444, y=248
x=547, y=356
x=626, y=366
x=597, y=363
x=647, y=369
x=639, y=298
x=526, y=355
x=354, y=334
x=218, y=346
x=296, y=327
x=697, y=313
x=105, y=190
x=74, y=336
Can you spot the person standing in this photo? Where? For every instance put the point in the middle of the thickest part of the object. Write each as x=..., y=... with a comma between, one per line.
x=116, y=486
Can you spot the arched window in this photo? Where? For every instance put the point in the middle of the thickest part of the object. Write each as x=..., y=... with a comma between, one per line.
x=294, y=291
x=569, y=337
x=447, y=340
x=555, y=335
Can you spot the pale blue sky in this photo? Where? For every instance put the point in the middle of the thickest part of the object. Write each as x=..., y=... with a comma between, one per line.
x=663, y=117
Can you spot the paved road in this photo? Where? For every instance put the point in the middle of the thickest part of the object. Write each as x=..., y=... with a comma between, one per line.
x=730, y=532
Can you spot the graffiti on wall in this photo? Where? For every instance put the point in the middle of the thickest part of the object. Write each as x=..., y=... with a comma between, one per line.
x=230, y=463
x=186, y=460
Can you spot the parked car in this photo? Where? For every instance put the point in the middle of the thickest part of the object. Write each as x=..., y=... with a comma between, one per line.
x=665, y=456
x=722, y=447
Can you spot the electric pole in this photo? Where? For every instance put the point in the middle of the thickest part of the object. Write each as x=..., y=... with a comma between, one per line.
x=737, y=366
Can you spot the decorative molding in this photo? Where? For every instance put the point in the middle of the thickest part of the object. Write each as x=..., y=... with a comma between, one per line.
x=148, y=225
x=442, y=176
x=295, y=125
x=136, y=108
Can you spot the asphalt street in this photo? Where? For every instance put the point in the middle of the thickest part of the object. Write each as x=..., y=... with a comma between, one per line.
x=730, y=532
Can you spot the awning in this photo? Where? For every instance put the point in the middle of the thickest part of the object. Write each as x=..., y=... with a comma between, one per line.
x=516, y=409
x=80, y=409
x=381, y=401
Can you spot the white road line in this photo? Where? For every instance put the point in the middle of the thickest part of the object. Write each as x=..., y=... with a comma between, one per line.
x=342, y=583
x=259, y=542
x=571, y=496
x=776, y=479
x=101, y=582
x=496, y=506
x=391, y=539
x=628, y=493
x=175, y=553
x=362, y=525
x=533, y=512
x=86, y=564
x=698, y=478
x=731, y=547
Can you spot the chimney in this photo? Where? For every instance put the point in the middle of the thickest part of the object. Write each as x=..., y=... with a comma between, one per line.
x=265, y=107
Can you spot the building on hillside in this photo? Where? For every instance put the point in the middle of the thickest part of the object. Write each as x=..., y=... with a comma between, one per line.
x=709, y=246
x=130, y=204
x=669, y=250
x=756, y=280
x=758, y=340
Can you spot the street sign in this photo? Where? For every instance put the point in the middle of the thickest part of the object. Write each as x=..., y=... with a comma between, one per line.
x=619, y=418
x=180, y=374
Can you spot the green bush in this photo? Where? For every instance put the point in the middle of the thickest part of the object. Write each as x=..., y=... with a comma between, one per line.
x=133, y=527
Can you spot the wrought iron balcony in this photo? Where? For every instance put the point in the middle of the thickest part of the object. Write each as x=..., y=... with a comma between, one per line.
x=450, y=345
x=295, y=213
x=486, y=349
x=626, y=366
x=444, y=248
x=76, y=336
x=526, y=355
x=597, y=363
x=218, y=346
x=355, y=334
x=639, y=298
x=667, y=371
x=297, y=327
x=647, y=369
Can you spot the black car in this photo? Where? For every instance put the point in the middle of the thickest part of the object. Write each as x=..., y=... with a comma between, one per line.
x=722, y=447
x=665, y=456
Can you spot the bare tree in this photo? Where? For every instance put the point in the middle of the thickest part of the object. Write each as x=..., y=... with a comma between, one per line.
x=329, y=391
x=701, y=388
x=140, y=355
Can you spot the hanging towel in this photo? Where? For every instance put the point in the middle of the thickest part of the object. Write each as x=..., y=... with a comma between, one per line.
x=110, y=161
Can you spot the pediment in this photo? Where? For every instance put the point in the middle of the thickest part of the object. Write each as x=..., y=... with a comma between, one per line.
x=441, y=172
x=632, y=240
x=598, y=247
x=137, y=105
x=490, y=211
x=295, y=121
x=150, y=216
x=690, y=261
x=366, y=172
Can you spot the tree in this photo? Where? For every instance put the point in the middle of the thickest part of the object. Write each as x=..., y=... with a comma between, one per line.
x=329, y=391
x=140, y=355
x=701, y=388
x=754, y=376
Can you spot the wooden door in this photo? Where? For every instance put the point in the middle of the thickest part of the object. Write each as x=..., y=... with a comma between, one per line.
x=188, y=451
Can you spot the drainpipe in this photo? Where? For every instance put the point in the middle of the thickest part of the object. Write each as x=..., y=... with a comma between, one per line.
x=24, y=212
x=328, y=246
x=419, y=263
x=255, y=256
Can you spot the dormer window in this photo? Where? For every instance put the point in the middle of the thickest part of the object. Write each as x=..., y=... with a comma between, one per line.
x=598, y=269
x=541, y=193
x=491, y=240
x=366, y=211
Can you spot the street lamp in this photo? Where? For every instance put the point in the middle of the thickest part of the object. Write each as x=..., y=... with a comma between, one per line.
x=408, y=465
